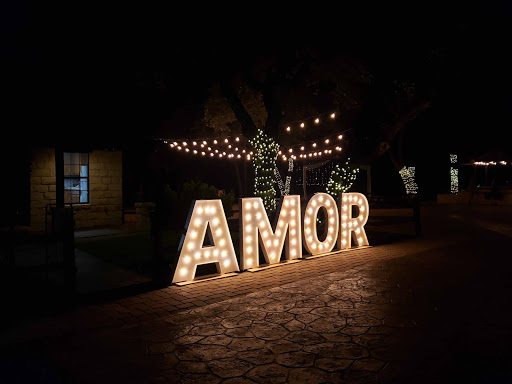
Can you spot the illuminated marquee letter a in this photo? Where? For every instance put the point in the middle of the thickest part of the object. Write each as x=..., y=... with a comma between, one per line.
x=206, y=215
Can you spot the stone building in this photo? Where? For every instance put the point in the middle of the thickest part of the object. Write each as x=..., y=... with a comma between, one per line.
x=92, y=185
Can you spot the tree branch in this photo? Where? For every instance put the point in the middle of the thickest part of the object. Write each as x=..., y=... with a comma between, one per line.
x=385, y=145
x=248, y=127
x=405, y=119
x=273, y=107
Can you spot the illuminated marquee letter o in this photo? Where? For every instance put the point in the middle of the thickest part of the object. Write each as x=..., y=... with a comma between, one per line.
x=311, y=241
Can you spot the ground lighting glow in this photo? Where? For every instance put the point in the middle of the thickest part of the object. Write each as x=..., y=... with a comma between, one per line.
x=207, y=216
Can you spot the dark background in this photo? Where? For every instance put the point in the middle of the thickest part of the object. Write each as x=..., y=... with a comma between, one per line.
x=70, y=74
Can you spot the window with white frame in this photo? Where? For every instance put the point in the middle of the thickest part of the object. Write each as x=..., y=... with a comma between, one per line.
x=76, y=178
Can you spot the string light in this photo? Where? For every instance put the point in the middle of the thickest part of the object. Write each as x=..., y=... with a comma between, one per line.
x=489, y=163
x=316, y=120
x=228, y=153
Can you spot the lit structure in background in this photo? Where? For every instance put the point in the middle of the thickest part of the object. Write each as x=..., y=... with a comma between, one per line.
x=408, y=177
x=264, y=164
x=353, y=227
x=255, y=230
x=341, y=179
x=313, y=245
x=206, y=216
x=454, y=175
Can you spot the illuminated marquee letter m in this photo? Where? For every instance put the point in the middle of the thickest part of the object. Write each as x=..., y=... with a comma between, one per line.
x=255, y=230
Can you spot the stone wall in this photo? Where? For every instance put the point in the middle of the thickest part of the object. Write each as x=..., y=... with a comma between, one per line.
x=105, y=207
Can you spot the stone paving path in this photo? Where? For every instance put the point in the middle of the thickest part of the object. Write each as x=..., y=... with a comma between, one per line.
x=424, y=311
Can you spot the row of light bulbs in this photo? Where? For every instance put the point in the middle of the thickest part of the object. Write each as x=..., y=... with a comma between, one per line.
x=315, y=145
x=303, y=124
x=202, y=143
x=309, y=155
x=203, y=149
x=489, y=163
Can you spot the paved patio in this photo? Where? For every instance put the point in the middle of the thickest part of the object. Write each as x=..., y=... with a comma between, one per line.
x=433, y=309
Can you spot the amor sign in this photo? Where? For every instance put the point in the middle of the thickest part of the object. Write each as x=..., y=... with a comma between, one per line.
x=289, y=232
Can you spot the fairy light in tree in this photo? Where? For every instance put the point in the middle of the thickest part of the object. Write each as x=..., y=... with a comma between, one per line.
x=352, y=228
x=256, y=231
x=454, y=180
x=284, y=188
x=206, y=216
x=313, y=245
x=341, y=178
x=454, y=175
x=264, y=163
x=408, y=177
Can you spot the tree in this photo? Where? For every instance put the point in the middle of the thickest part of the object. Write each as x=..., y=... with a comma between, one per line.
x=284, y=88
x=341, y=179
x=290, y=84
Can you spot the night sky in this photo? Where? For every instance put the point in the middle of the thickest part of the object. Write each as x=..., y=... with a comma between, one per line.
x=75, y=74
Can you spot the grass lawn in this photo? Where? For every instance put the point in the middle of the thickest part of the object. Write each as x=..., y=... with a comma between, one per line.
x=133, y=251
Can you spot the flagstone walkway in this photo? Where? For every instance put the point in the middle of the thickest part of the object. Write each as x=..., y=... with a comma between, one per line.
x=428, y=310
